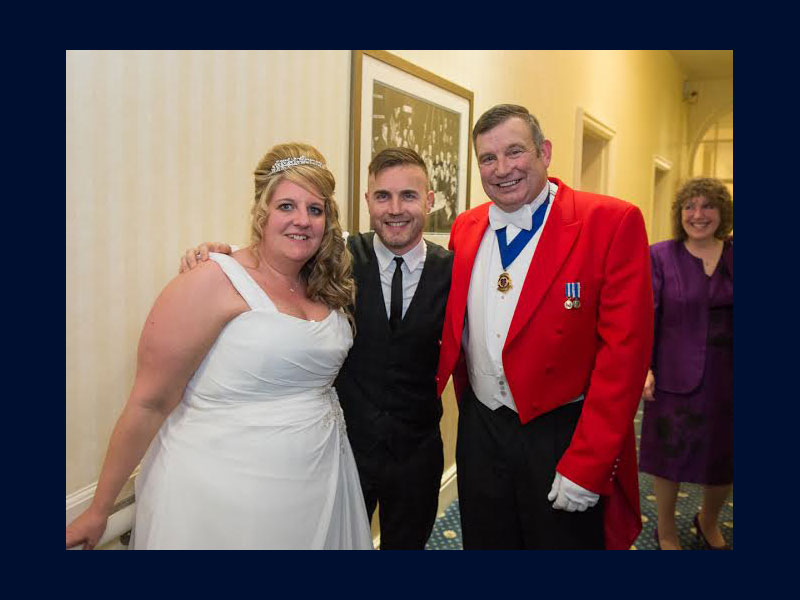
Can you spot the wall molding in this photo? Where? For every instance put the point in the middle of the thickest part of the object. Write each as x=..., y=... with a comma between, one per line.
x=121, y=519
x=585, y=122
x=661, y=163
x=448, y=492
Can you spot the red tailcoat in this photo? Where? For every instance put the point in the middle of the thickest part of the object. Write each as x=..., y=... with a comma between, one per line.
x=553, y=355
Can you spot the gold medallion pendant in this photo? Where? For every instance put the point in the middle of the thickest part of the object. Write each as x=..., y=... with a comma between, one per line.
x=504, y=282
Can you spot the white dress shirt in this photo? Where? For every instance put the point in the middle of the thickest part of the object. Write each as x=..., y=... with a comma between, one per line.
x=413, y=263
x=489, y=311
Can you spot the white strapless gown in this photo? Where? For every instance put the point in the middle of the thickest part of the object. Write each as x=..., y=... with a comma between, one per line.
x=256, y=454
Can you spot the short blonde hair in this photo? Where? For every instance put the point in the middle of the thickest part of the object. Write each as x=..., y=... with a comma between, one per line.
x=328, y=273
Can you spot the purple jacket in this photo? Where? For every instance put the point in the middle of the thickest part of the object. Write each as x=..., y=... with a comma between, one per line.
x=680, y=295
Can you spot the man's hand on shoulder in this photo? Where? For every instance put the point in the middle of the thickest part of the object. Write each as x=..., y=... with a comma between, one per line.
x=194, y=256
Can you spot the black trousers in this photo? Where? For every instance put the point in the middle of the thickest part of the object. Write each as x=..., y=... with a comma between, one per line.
x=406, y=492
x=505, y=471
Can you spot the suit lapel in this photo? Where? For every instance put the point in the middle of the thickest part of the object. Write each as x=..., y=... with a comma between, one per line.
x=464, y=259
x=558, y=237
x=373, y=278
x=422, y=285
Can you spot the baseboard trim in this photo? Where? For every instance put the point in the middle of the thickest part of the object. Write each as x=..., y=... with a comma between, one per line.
x=121, y=519
x=448, y=492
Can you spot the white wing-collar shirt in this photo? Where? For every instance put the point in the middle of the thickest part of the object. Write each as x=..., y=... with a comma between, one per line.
x=489, y=311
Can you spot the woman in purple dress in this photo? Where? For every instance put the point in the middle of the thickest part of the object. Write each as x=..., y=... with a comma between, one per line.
x=687, y=432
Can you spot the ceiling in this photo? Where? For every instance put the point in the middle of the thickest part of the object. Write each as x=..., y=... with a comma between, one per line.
x=705, y=64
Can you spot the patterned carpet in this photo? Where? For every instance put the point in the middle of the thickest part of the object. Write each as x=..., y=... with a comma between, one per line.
x=447, y=530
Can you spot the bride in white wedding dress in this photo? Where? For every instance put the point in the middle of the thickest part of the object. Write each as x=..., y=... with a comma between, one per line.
x=243, y=439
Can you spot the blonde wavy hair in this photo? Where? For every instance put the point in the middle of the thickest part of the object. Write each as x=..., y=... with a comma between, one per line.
x=328, y=274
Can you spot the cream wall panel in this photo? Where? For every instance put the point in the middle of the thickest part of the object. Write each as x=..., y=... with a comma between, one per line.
x=161, y=148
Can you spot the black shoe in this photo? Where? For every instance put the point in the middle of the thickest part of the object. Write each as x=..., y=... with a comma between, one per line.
x=701, y=536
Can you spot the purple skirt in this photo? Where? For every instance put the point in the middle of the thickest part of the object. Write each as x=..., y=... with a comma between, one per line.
x=689, y=437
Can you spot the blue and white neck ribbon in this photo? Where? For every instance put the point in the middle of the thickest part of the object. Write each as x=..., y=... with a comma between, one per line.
x=508, y=252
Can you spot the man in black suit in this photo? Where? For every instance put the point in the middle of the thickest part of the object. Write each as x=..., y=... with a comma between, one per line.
x=387, y=385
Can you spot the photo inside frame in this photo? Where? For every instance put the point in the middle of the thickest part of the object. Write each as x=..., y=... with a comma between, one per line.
x=403, y=120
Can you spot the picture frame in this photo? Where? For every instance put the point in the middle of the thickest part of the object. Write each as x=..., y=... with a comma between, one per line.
x=396, y=103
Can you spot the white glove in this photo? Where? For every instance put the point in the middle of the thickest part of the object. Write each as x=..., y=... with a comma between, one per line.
x=569, y=496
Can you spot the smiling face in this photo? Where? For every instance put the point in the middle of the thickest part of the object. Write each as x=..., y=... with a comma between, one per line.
x=398, y=199
x=700, y=219
x=512, y=172
x=295, y=223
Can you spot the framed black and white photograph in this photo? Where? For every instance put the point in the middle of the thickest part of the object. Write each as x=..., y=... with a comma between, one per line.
x=395, y=103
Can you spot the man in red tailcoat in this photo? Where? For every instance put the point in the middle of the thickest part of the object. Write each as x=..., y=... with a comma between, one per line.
x=548, y=332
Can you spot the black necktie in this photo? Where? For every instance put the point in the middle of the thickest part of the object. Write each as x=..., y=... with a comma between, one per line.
x=396, y=311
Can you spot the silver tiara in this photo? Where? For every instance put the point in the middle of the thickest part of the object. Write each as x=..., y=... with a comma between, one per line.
x=285, y=163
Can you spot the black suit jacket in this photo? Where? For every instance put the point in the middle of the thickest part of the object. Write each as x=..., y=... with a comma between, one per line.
x=387, y=385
